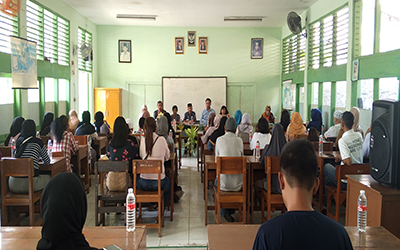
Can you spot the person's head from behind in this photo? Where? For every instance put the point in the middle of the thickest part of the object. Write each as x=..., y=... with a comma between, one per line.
x=298, y=171
x=58, y=126
x=159, y=105
x=150, y=127
x=211, y=118
x=230, y=125
x=263, y=126
x=86, y=117
x=347, y=121
x=313, y=134
x=175, y=109
x=28, y=129
x=337, y=116
x=120, y=135
x=73, y=113
x=224, y=111
x=189, y=107
x=99, y=116
x=208, y=103
x=141, y=122
x=64, y=208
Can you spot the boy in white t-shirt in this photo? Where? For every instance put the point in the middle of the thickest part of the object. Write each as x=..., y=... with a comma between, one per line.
x=350, y=147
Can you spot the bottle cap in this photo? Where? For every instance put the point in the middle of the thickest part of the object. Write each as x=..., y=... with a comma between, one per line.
x=130, y=190
x=362, y=191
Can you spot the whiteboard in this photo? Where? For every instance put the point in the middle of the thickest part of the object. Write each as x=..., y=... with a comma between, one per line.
x=182, y=90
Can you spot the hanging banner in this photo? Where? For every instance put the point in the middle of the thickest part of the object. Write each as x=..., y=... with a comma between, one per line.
x=23, y=64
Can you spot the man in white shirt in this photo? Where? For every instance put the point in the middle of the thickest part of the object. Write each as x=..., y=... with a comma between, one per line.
x=351, y=149
x=206, y=113
x=334, y=130
x=229, y=145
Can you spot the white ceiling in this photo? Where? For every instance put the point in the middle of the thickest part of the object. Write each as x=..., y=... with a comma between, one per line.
x=190, y=13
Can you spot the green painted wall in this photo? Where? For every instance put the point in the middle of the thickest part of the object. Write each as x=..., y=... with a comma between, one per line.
x=256, y=81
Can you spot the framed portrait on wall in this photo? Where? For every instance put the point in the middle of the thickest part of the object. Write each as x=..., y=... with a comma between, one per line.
x=356, y=65
x=257, y=46
x=191, y=38
x=203, y=45
x=179, y=45
x=124, y=51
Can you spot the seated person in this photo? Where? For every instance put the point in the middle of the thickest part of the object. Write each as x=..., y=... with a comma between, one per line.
x=73, y=121
x=245, y=128
x=229, y=145
x=141, y=124
x=190, y=115
x=159, y=111
x=101, y=125
x=313, y=135
x=350, y=147
x=263, y=136
x=47, y=120
x=29, y=146
x=268, y=115
x=219, y=131
x=316, y=120
x=301, y=227
x=86, y=128
x=204, y=116
x=175, y=116
x=296, y=127
x=129, y=123
x=212, y=125
x=162, y=130
x=238, y=117
x=15, y=130
x=224, y=111
x=334, y=130
x=64, y=209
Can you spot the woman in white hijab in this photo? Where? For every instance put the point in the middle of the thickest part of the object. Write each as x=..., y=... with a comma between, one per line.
x=245, y=128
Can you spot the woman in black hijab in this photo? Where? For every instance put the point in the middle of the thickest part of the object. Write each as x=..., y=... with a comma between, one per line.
x=64, y=209
x=101, y=126
x=85, y=128
x=220, y=131
x=47, y=120
x=15, y=129
x=285, y=119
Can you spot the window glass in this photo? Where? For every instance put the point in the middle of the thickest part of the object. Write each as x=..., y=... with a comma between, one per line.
x=327, y=94
x=315, y=87
x=8, y=27
x=390, y=25
x=368, y=27
x=341, y=91
x=62, y=89
x=315, y=29
x=33, y=94
x=328, y=40
x=342, y=36
x=6, y=93
x=367, y=93
x=389, y=88
x=49, y=90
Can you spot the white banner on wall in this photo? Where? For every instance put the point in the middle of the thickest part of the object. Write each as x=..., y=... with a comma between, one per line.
x=23, y=64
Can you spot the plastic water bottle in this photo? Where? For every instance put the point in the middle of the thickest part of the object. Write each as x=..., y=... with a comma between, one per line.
x=258, y=150
x=13, y=148
x=320, y=145
x=170, y=133
x=50, y=149
x=174, y=124
x=130, y=211
x=251, y=135
x=362, y=212
x=322, y=129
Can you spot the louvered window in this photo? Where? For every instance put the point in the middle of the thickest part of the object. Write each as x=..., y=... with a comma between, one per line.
x=329, y=40
x=8, y=27
x=84, y=63
x=50, y=31
x=294, y=53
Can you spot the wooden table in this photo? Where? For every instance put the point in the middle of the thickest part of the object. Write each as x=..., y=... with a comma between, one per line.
x=57, y=165
x=100, y=145
x=246, y=149
x=80, y=159
x=383, y=203
x=5, y=151
x=240, y=237
x=24, y=238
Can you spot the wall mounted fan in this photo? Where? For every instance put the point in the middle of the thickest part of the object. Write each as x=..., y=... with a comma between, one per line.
x=86, y=51
x=294, y=23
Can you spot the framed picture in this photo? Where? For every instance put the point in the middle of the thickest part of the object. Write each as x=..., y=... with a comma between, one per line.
x=179, y=45
x=257, y=46
x=191, y=38
x=124, y=51
x=288, y=94
x=356, y=65
x=203, y=45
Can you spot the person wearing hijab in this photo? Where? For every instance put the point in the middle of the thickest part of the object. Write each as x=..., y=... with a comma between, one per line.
x=15, y=130
x=356, y=126
x=47, y=120
x=86, y=128
x=238, y=117
x=144, y=108
x=29, y=146
x=162, y=130
x=245, y=128
x=316, y=120
x=73, y=121
x=273, y=149
x=63, y=140
x=101, y=125
x=296, y=127
x=64, y=210
x=219, y=131
x=268, y=114
x=214, y=124
x=262, y=136
x=285, y=119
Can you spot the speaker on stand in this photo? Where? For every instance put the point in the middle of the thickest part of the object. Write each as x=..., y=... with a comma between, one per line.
x=385, y=142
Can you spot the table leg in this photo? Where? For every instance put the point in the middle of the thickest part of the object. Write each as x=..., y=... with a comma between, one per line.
x=206, y=191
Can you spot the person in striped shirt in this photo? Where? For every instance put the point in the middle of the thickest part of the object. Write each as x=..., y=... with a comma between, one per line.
x=29, y=146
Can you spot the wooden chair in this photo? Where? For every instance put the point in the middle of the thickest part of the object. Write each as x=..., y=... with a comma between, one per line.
x=270, y=200
x=300, y=136
x=5, y=151
x=231, y=199
x=327, y=146
x=336, y=193
x=86, y=140
x=204, y=152
x=20, y=167
x=45, y=139
x=105, y=200
x=149, y=167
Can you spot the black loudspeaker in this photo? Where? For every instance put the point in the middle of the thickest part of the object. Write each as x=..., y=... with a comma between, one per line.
x=385, y=142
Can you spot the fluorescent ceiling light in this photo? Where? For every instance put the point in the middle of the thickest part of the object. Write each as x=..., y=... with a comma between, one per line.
x=139, y=17
x=244, y=18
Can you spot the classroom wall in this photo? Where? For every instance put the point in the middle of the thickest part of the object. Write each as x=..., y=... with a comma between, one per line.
x=252, y=83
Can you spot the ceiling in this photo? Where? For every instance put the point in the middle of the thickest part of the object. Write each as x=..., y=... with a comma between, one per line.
x=190, y=13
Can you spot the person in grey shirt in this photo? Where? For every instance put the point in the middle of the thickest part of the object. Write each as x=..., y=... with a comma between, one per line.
x=206, y=113
x=229, y=145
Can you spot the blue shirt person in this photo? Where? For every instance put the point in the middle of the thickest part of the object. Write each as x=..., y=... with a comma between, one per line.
x=206, y=112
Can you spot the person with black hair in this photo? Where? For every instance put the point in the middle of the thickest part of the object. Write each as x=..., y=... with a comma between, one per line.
x=350, y=148
x=262, y=135
x=206, y=113
x=85, y=127
x=29, y=146
x=47, y=120
x=101, y=125
x=285, y=119
x=313, y=134
x=63, y=140
x=175, y=114
x=15, y=130
x=159, y=110
x=300, y=227
x=190, y=115
x=141, y=123
x=219, y=124
x=224, y=111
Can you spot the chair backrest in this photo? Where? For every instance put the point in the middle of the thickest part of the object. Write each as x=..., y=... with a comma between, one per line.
x=327, y=146
x=147, y=167
x=272, y=166
x=231, y=165
x=82, y=139
x=18, y=167
x=5, y=151
x=113, y=166
x=58, y=154
x=332, y=139
x=300, y=136
x=45, y=139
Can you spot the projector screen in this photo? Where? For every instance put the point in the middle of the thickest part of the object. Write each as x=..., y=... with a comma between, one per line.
x=182, y=90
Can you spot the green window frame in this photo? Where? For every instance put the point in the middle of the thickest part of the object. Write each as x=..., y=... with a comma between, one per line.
x=8, y=27
x=84, y=64
x=294, y=53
